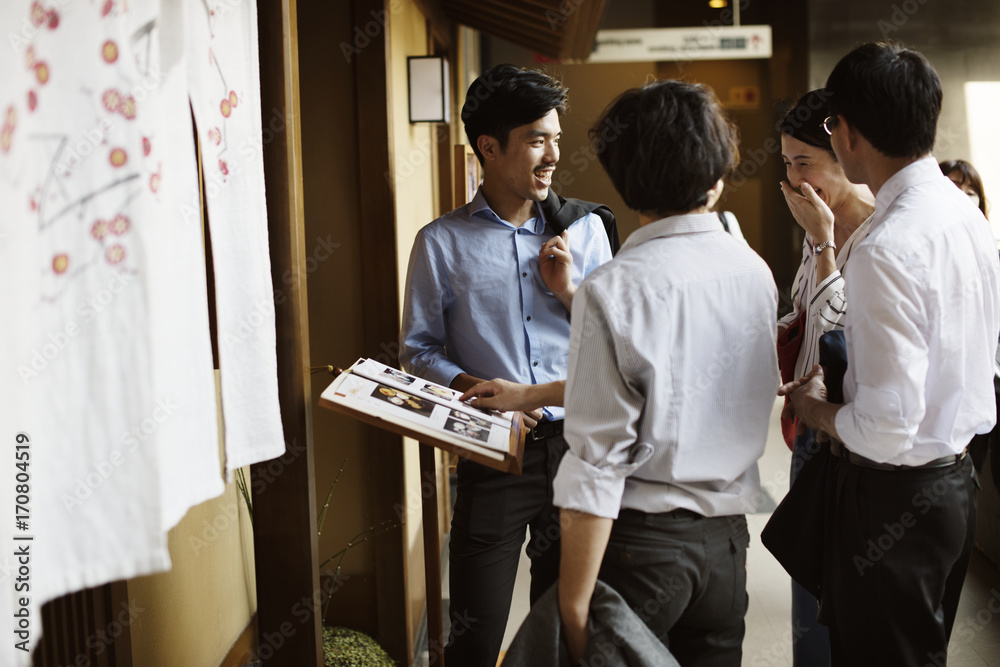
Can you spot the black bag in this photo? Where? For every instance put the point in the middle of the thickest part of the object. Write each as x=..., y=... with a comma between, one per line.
x=796, y=531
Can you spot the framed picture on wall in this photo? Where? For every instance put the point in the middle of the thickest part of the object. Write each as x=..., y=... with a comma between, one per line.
x=467, y=174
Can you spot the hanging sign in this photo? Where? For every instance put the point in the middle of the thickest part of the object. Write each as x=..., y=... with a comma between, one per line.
x=722, y=42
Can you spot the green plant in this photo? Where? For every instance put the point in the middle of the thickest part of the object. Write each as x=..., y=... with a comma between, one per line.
x=349, y=648
x=241, y=484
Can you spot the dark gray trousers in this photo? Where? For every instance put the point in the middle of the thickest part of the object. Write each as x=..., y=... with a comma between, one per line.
x=492, y=510
x=685, y=576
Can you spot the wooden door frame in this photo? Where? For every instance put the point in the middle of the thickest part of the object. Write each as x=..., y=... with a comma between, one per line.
x=289, y=597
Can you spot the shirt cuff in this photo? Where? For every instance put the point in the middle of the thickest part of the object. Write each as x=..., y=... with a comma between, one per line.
x=584, y=487
x=859, y=430
x=441, y=371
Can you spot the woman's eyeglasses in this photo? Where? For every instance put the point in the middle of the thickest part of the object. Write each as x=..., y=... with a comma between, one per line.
x=829, y=123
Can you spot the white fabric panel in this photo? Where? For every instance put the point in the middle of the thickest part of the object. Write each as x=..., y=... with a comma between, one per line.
x=190, y=470
x=225, y=94
x=80, y=200
x=18, y=332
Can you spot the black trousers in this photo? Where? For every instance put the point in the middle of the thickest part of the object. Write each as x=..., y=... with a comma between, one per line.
x=685, y=576
x=898, y=548
x=492, y=511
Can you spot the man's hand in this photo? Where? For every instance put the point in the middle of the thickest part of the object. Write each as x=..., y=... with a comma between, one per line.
x=500, y=395
x=555, y=263
x=807, y=401
x=531, y=418
x=504, y=395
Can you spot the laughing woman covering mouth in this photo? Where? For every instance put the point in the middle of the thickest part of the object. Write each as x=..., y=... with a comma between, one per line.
x=835, y=215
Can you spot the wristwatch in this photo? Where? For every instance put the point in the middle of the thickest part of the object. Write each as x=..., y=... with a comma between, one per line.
x=820, y=247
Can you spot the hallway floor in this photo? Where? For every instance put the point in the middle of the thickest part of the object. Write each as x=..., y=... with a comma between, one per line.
x=768, y=643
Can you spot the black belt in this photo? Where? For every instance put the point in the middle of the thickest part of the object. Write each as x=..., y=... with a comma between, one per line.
x=837, y=449
x=546, y=429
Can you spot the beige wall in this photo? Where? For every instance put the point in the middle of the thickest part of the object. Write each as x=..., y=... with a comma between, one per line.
x=194, y=613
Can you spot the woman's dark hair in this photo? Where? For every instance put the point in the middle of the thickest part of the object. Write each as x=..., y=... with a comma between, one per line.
x=970, y=177
x=804, y=120
x=665, y=145
x=505, y=97
x=891, y=94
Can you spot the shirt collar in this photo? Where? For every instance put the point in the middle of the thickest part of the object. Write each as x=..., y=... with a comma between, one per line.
x=675, y=225
x=480, y=206
x=923, y=170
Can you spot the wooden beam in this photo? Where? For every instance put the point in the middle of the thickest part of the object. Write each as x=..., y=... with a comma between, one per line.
x=437, y=22
x=285, y=541
x=380, y=295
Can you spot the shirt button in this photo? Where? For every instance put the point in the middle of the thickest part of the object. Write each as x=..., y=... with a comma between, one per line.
x=529, y=318
x=626, y=558
x=534, y=363
x=524, y=274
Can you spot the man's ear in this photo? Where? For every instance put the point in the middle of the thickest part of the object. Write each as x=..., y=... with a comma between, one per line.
x=488, y=146
x=851, y=132
x=715, y=192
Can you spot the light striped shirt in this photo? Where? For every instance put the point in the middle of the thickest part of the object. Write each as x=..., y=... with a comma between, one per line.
x=825, y=302
x=923, y=324
x=672, y=375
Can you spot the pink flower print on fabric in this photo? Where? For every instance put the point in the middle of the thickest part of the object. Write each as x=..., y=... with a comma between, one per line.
x=99, y=229
x=115, y=254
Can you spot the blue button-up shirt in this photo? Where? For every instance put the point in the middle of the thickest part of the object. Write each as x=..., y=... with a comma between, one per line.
x=476, y=302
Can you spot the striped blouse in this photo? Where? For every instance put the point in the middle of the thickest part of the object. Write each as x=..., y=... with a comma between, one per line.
x=825, y=302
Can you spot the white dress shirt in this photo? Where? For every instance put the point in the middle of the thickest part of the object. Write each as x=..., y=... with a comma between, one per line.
x=923, y=323
x=672, y=375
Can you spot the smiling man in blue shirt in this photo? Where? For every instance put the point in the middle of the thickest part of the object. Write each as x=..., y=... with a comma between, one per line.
x=477, y=307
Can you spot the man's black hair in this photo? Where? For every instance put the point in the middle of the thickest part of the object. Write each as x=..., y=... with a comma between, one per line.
x=676, y=144
x=891, y=94
x=505, y=97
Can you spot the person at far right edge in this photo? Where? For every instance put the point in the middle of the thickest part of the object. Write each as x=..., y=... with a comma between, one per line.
x=921, y=333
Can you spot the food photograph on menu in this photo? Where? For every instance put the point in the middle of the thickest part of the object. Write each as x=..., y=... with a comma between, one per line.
x=399, y=376
x=480, y=432
x=404, y=400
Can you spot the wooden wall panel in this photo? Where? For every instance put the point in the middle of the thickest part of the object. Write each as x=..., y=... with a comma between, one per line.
x=285, y=542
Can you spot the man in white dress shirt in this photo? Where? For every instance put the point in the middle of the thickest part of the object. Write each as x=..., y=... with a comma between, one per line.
x=671, y=371
x=921, y=333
